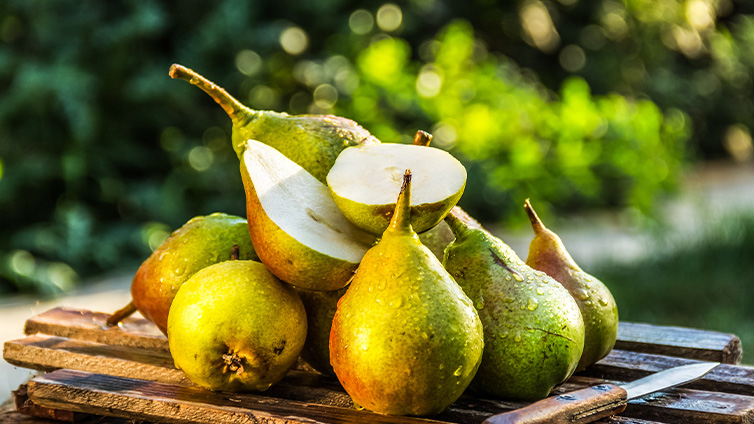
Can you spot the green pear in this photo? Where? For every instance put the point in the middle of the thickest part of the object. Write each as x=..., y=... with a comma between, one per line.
x=405, y=340
x=598, y=308
x=533, y=331
x=365, y=181
x=437, y=239
x=320, y=308
x=234, y=326
x=200, y=242
x=297, y=230
x=312, y=141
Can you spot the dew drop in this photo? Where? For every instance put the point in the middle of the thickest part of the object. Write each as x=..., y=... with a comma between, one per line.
x=581, y=294
x=602, y=301
x=381, y=285
x=508, y=300
x=479, y=304
x=180, y=269
x=532, y=304
x=507, y=278
x=442, y=366
x=458, y=371
x=518, y=277
x=540, y=291
x=517, y=338
x=396, y=303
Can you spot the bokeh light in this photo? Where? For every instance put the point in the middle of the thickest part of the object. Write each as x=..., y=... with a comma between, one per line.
x=294, y=40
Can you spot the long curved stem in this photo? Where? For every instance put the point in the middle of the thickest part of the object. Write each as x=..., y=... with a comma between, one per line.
x=229, y=103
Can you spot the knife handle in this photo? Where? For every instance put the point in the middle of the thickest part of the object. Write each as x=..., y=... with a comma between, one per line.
x=579, y=406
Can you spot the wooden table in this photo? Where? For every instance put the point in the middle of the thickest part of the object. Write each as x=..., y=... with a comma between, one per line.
x=126, y=374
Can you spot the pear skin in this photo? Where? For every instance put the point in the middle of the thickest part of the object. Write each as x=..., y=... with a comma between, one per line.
x=405, y=339
x=320, y=308
x=598, y=308
x=200, y=242
x=233, y=326
x=312, y=141
x=533, y=331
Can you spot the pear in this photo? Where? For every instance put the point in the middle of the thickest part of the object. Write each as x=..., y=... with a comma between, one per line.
x=598, y=308
x=320, y=308
x=405, y=340
x=200, y=242
x=233, y=326
x=297, y=230
x=533, y=331
x=365, y=181
x=312, y=141
x=437, y=239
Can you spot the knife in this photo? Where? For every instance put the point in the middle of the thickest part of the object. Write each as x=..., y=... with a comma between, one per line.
x=600, y=401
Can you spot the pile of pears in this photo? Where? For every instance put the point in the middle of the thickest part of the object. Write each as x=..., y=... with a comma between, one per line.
x=355, y=257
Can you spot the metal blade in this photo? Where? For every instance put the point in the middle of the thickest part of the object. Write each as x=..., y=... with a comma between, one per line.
x=667, y=379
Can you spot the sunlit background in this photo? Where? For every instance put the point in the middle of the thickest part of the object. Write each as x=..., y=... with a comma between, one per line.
x=593, y=109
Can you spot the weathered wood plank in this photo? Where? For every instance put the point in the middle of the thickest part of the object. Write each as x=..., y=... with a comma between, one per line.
x=139, y=399
x=679, y=341
x=27, y=407
x=628, y=366
x=87, y=325
x=47, y=353
x=138, y=332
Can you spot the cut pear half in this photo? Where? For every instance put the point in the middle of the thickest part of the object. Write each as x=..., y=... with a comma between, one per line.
x=366, y=180
x=298, y=231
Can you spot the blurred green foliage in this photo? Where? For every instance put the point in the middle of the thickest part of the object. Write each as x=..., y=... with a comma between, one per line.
x=578, y=104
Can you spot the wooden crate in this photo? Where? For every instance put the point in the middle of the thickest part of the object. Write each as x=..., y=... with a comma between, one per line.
x=125, y=373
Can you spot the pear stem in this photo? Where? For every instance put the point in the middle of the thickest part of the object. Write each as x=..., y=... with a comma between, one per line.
x=536, y=223
x=235, y=252
x=401, y=220
x=121, y=314
x=229, y=103
x=422, y=138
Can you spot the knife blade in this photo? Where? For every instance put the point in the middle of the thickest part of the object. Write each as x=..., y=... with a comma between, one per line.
x=600, y=401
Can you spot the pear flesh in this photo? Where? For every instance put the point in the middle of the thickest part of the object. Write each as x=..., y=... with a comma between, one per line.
x=405, y=340
x=365, y=181
x=533, y=330
x=298, y=231
x=200, y=242
x=547, y=253
x=233, y=326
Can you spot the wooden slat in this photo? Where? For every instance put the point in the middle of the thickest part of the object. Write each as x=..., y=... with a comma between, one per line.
x=628, y=366
x=138, y=399
x=87, y=325
x=47, y=353
x=679, y=341
x=138, y=332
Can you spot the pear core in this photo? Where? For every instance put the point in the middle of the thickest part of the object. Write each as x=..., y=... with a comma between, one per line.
x=301, y=205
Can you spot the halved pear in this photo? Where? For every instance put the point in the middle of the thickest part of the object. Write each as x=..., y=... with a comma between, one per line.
x=296, y=228
x=366, y=180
